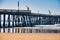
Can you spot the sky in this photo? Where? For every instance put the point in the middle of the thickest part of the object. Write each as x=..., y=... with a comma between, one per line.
x=35, y=5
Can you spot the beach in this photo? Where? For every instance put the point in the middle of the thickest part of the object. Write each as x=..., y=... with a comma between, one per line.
x=29, y=36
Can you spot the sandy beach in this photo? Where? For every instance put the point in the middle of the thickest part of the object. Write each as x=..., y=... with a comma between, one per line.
x=27, y=36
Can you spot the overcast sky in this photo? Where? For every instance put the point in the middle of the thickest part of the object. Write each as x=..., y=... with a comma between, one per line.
x=35, y=5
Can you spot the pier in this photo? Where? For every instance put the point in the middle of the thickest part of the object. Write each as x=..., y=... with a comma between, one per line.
x=25, y=18
x=12, y=21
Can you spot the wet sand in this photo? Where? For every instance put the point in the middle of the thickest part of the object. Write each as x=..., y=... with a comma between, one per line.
x=25, y=36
